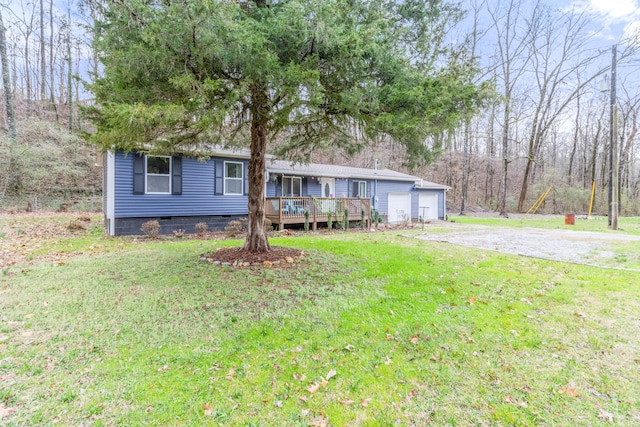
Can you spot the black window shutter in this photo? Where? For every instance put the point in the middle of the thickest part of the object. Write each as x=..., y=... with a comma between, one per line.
x=305, y=187
x=356, y=189
x=176, y=175
x=246, y=179
x=219, y=172
x=138, y=173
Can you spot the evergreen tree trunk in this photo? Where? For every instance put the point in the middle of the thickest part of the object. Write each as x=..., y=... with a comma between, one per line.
x=256, y=237
x=6, y=82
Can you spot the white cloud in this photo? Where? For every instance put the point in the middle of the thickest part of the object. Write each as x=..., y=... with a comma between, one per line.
x=616, y=9
x=608, y=11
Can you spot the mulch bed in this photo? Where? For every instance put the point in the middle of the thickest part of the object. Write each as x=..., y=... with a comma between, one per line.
x=240, y=257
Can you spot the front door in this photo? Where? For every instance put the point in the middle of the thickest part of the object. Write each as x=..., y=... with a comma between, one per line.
x=328, y=187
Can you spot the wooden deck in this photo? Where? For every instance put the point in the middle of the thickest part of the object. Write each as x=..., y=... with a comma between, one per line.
x=290, y=210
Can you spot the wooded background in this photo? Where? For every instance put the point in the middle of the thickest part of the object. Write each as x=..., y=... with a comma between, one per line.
x=547, y=125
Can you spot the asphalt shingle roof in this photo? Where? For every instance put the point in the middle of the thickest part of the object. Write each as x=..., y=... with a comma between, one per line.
x=335, y=171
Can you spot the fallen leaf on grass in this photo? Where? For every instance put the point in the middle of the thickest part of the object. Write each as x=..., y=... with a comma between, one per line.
x=299, y=377
x=319, y=421
x=313, y=388
x=347, y=402
x=581, y=315
x=365, y=402
x=349, y=347
x=606, y=416
x=304, y=398
x=332, y=373
x=510, y=400
x=231, y=374
x=569, y=391
x=324, y=383
x=472, y=300
x=5, y=412
x=208, y=410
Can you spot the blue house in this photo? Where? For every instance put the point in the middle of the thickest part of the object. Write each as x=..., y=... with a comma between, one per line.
x=180, y=192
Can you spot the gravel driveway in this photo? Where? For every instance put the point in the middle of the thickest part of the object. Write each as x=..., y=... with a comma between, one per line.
x=581, y=247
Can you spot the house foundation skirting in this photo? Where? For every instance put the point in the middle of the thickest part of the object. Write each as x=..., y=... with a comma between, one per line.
x=169, y=224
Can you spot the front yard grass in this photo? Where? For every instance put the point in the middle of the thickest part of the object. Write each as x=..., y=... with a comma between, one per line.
x=369, y=329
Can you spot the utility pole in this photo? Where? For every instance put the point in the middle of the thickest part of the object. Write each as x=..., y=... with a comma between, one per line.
x=613, y=146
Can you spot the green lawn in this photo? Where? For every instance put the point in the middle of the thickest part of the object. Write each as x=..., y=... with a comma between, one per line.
x=369, y=329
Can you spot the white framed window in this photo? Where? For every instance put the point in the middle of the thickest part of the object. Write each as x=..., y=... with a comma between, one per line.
x=359, y=189
x=158, y=174
x=233, y=178
x=291, y=186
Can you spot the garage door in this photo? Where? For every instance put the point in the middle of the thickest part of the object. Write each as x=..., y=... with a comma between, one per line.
x=428, y=206
x=399, y=207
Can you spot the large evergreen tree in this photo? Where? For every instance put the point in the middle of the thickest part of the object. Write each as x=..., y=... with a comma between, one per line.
x=180, y=76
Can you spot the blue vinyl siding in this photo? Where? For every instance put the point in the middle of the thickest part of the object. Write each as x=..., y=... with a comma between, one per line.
x=271, y=189
x=197, y=196
x=198, y=192
x=342, y=187
x=314, y=189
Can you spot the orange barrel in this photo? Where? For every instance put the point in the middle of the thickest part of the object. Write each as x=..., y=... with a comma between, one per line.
x=569, y=219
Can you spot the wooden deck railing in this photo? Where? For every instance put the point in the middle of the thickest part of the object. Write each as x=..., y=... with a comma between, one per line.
x=290, y=210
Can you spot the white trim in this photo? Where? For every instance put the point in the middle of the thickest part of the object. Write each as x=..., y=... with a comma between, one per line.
x=224, y=179
x=444, y=204
x=110, y=188
x=146, y=175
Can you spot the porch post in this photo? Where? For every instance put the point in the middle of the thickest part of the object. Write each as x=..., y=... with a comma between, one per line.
x=315, y=220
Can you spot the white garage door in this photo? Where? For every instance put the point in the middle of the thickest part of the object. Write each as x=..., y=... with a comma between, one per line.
x=428, y=206
x=399, y=207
